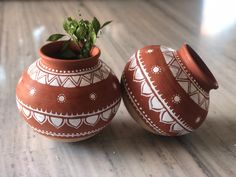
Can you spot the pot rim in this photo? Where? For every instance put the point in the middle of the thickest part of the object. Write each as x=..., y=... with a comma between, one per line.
x=204, y=73
x=94, y=52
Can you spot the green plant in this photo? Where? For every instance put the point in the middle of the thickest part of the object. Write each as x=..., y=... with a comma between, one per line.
x=82, y=36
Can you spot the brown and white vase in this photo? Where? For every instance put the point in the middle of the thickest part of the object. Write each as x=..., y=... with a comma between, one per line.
x=69, y=100
x=167, y=91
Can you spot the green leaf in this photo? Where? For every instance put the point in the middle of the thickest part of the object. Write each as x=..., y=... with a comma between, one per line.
x=93, y=37
x=70, y=25
x=55, y=37
x=96, y=25
x=105, y=24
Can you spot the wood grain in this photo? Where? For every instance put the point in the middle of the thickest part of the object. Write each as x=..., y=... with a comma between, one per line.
x=123, y=148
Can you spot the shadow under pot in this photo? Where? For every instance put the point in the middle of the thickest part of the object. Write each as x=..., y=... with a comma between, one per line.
x=68, y=100
x=167, y=91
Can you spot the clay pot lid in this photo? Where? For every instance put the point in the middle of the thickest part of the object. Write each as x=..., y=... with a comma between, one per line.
x=47, y=51
x=197, y=67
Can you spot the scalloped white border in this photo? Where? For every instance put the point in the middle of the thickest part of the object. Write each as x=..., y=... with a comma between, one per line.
x=58, y=120
x=67, y=135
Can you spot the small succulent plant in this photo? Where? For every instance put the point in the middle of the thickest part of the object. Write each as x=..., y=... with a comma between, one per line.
x=82, y=36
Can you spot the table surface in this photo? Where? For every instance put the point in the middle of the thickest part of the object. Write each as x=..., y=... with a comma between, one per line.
x=123, y=148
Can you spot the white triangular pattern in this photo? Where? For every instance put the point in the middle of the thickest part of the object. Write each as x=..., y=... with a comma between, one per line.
x=192, y=89
x=175, y=63
x=39, y=117
x=182, y=75
x=201, y=99
x=26, y=112
x=41, y=74
x=88, y=76
x=56, y=122
x=177, y=127
x=69, y=83
x=63, y=78
x=84, y=82
x=174, y=71
x=146, y=90
x=92, y=120
x=168, y=58
x=54, y=82
x=98, y=74
x=138, y=76
x=155, y=104
x=184, y=85
x=133, y=64
x=50, y=77
x=42, y=80
x=76, y=78
x=106, y=115
x=74, y=122
x=33, y=75
x=96, y=79
x=165, y=117
x=195, y=98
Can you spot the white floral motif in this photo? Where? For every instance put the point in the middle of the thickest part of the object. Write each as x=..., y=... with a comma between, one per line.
x=61, y=98
x=149, y=51
x=176, y=99
x=32, y=91
x=156, y=69
x=93, y=96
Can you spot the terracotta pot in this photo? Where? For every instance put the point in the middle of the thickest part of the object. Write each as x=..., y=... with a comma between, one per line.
x=69, y=100
x=167, y=91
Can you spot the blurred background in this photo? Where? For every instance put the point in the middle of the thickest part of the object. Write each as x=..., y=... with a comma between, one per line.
x=123, y=148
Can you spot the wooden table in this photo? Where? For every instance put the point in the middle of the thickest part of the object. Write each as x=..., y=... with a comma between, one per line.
x=123, y=148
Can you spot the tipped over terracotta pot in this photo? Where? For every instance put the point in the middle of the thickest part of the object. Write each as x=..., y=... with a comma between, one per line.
x=69, y=100
x=167, y=91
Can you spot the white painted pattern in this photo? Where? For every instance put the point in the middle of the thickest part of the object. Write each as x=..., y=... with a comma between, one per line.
x=156, y=102
x=61, y=98
x=176, y=99
x=137, y=106
x=67, y=135
x=92, y=96
x=72, y=120
x=68, y=79
x=184, y=78
x=32, y=91
x=156, y=69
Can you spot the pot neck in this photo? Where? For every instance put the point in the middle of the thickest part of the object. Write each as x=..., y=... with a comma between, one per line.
x=47, y=52
x=197, y=68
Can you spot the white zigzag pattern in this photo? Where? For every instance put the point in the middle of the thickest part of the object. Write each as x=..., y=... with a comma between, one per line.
x=68, y=80
x=156, y=102
x=198, y=95
x=74, y=121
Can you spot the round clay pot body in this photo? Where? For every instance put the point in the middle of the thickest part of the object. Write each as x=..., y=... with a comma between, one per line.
x=167, y=91
x=69, y=100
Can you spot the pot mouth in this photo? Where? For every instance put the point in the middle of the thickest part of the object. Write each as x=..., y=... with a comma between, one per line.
x=48, y=51
x=202, y=72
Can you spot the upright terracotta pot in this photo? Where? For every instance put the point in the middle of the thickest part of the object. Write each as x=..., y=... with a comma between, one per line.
x=70, y=100
x=167, y=91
